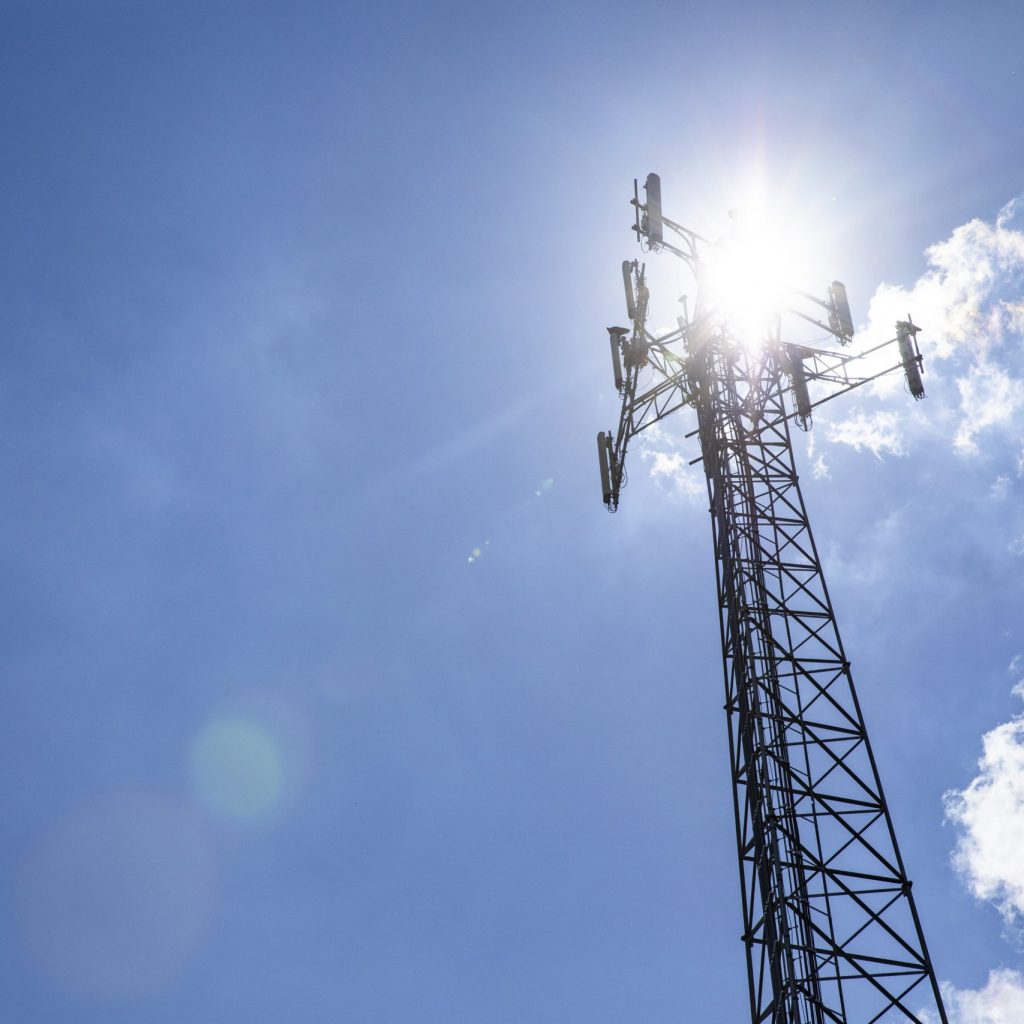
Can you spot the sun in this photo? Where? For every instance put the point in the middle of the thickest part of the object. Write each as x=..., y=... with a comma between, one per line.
x=749, y=278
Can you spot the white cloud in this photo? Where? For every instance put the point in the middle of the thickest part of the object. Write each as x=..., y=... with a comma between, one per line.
x=665, y=463
x=878, y=432
x=1000, y=488
x=989, y=397
x=975, y=277
x=1013, y=315
x=672, y=467
x=970, y=303
x=819, y=467
x=670, y=463
x=990, y=814
x=1001, y=1001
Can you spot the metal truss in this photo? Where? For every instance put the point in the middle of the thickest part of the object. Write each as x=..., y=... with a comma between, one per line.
x=830, y=927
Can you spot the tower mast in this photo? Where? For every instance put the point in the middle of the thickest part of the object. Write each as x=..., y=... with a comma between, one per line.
x=830, y=927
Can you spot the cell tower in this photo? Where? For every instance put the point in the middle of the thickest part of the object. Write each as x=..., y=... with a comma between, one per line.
x=830, y=926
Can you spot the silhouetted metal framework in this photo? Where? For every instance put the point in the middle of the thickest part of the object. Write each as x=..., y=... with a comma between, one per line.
x=830, y=927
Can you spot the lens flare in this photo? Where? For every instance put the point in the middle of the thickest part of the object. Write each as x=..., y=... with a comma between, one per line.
x=249, y=763
x=236, y=769
x=116, y=897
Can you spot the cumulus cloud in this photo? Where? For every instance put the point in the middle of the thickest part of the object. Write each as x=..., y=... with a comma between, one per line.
x=990, y=815
x=1001, y=1001
x=971, y=295
x=970, y=302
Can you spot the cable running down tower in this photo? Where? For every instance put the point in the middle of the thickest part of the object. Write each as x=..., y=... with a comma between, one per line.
x=830, y=927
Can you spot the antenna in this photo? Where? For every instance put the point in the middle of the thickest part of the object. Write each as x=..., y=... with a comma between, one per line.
x=615, y=336
x=604, y=454
x=839, y=318
x=653, y=225
x=913, y=363
x=795, y=366
x=648, y=220
x=627, y=281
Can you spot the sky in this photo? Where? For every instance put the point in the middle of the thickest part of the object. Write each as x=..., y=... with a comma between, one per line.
x=331, y=691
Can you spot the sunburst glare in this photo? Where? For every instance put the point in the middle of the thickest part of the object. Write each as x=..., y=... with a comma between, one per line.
x=749, y=277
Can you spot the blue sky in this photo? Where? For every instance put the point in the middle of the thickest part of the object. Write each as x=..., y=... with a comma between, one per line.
x=331, y=691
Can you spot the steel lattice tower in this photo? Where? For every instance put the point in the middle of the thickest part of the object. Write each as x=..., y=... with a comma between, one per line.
x=830, y=927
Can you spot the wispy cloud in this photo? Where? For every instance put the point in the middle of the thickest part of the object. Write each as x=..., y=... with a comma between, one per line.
x=989, y=397
x=669, y=463
x=672, y=467
x=819, y=467
x=869, y=566
x=1000, y=488
x=877, y=432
